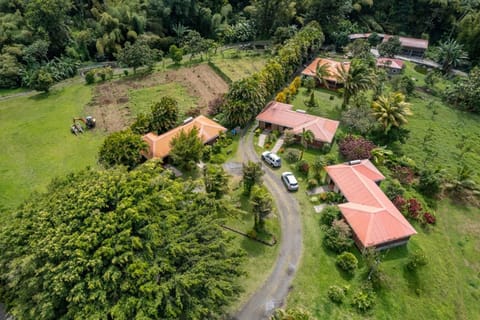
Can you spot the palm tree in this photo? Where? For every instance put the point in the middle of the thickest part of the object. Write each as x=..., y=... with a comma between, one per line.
x=355, y=79
x=391, y=110
x=450, y=55
x=322, y=73
x=306, y=137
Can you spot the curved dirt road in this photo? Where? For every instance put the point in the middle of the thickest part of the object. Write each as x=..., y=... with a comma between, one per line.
x=275, y=289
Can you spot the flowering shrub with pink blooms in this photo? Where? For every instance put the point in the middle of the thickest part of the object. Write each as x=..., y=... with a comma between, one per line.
x=352, y=148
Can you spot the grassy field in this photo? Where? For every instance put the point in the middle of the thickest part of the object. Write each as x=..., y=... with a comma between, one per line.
x=140, y=100
x=37, y=144
x=239, y=64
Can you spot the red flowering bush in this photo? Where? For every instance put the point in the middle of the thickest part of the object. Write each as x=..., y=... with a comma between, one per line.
x=414, y=208
x=429, y=218
x=352, y=148
x=400, y=203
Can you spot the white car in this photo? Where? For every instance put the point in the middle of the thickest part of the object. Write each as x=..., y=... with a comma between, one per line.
x=290, y=181
x=272, y=159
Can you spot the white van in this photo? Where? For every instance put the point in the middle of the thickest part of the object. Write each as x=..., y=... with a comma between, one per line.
x=272, y=159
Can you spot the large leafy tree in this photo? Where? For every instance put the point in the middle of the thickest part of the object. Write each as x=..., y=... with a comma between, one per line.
x=118, y=245
x=450, y=55
x=391, y=110
x=50, y=17
x=358, y=77
x=136, y=55
x=187, y=148
x=216, y=180
x=469, y=33
x=252, y=175
x=164, y=115
x=465, y=93
x=122, y=148
x=261, y=206
x=390, y=48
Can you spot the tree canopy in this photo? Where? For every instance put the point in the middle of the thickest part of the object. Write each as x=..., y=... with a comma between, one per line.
x=118, y=244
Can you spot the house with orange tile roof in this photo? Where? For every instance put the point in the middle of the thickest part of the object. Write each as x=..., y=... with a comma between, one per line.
x=392, y=66
x=373, y=218
x=159, y=145
x=280, y=116
x=333, y=68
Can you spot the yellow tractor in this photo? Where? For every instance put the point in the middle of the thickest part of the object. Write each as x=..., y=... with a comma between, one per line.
x=77, y=128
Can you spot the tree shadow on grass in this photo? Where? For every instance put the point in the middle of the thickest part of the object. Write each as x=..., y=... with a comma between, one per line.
x=252, y=247
x=413, y=281
x=395, y=253
x=44, y=95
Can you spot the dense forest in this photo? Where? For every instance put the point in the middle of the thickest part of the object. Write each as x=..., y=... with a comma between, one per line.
x=48, y=38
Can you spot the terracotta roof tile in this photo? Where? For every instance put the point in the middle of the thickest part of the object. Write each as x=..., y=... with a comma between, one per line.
x=390, y=63
x=282, y=114
x=333, y=67
x=159, y=146
x=371, y=215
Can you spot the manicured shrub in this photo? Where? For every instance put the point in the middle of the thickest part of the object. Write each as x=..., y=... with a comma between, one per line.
x=416, y=260
x=347, y=262
x=309, y=83
x=292, y=155
x=363, y=300
x=90, y=77
x=392, y=189
x=312, y=183
x=303, y=166
x=353, y=147
x=329, y=214
x=338, y=236
x=430, y=183
x=336, y=293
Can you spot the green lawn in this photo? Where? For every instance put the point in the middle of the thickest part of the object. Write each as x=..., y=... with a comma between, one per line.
x=140, y=100
x=37, y=144
x=328, y=103
x=239, y=64
x=7, y=92
x=450, y=129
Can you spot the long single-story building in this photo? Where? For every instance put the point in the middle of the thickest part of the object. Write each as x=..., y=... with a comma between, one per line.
x=280, y=116
x=373, y=218
x=159, y=146
x=332, y=68
x=412, y=47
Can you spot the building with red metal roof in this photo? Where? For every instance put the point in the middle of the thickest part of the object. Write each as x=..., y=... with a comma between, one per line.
x=373, y=218
x=280, y=116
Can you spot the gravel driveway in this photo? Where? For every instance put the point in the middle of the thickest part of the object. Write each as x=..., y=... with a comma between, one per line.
x=273, y=292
